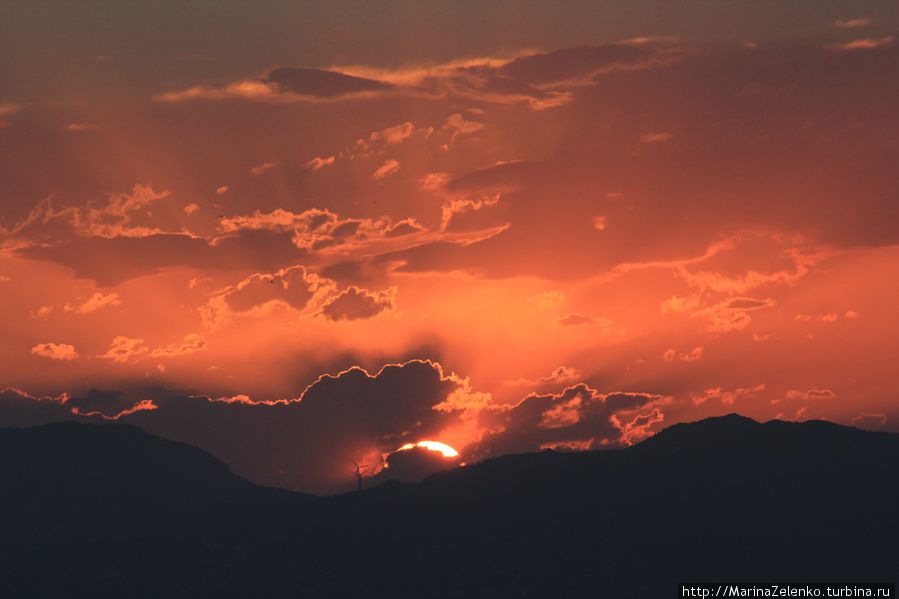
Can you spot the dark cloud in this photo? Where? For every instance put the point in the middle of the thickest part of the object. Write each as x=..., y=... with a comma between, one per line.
x=109, y=261
x=320, y=83
x=306, y=443
x=578, y=417
x=18, y=408
x=354, y=303
x=404, y=227
x=112, y=260
x=294, y=286
x=347, y=271
x=870, y=420
x=747, y=303
x=578, y=319
x=570, y=63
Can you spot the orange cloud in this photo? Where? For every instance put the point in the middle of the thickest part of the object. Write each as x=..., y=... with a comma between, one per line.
x=728, y=397
x=732, y=314
x=562, y=374
x=55, y=351
x=656, y=137
x=95, y=302
x=125, y=350
x=811, y=394
x=319, y=163
x=385, y=170
x=865, y=44
x=853, y=23
x=693, y=355
x=8, y=108
x=263, y=168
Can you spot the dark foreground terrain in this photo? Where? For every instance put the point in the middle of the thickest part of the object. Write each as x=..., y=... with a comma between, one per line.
x=108, y=510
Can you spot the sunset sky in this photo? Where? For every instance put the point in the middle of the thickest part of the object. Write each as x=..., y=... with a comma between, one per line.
x=296, y=234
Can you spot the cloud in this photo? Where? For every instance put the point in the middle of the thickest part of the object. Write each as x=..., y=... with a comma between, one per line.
x=577, y=319
x=55, y=351
x=192, y=343
x=572, y=66
x=864, y=44
x=727, y=397
x=8, y=109
x=191, y=208
x=390, y=167
x=393, y=135
x=293, y=287
x=639, y=427
x=283, y=85
x=829, y=317
x=811, y=394
x=435, y=181
x=222, y=190
x=97, y=301
x=117, y=217
x=407, y=226
x=460, y=214
x=319, y=163
x=80, y=127
x=732, y=314
x=305, y=442
x=576, y=414
x=533, y=79
x=109, y=261
x=853, y=23
x=42, y=312
x=870, y=420
x=656, y=137
x=263, y=168
x=693, y=355
x=676, y=304
x=354, y=303
x=562, y=374
x=316, y=230
x=19, y=408
x=548, y=300
x=127, y=350
x=459, y=125
x=322, y=83
x=141, y=406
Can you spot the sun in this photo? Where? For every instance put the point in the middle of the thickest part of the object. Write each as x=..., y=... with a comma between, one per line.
x=443, y=448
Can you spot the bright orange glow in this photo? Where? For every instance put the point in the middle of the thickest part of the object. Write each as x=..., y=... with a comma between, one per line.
x=443, y=448
x=513, y=239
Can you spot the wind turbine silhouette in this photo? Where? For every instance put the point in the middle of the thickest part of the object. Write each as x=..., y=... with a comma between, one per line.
x=359, y=471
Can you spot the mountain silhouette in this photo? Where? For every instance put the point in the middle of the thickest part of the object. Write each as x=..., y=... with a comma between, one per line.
x=70, y=481
x=721, y=499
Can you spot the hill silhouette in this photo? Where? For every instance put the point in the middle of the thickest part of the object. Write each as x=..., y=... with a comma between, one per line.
x=723, y=498
x=69, y=481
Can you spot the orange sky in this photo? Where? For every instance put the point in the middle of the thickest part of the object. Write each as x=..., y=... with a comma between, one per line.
x=302, y=253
